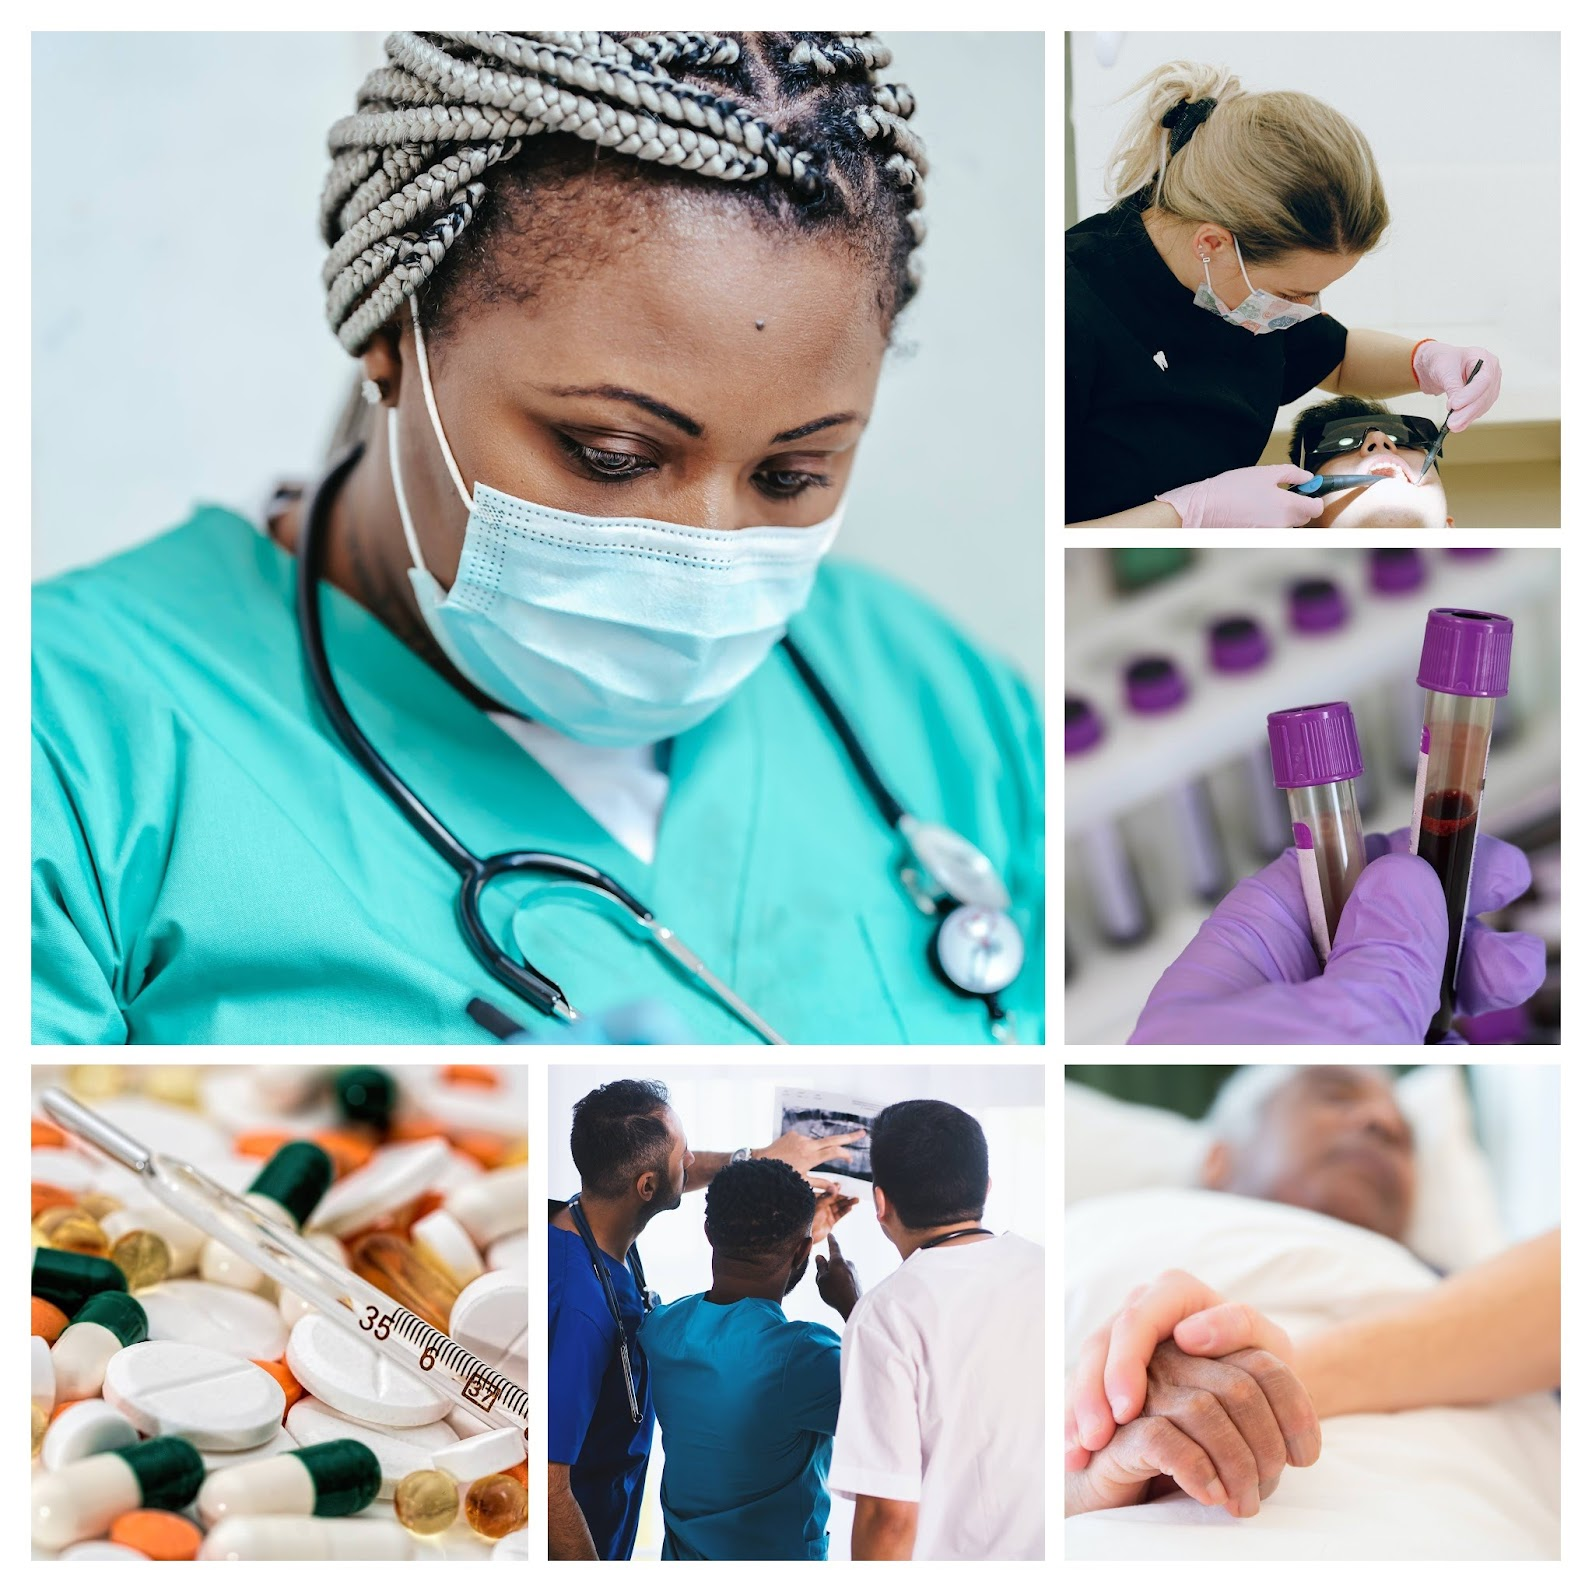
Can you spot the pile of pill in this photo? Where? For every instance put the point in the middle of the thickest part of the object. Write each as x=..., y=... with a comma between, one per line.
x=186, y=1406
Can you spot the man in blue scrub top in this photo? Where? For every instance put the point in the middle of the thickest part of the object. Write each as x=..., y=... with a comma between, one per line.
x=747, y=1401
x=630, y=1150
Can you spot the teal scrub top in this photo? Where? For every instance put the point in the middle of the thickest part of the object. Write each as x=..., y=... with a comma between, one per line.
x=747, y=1403
x=210, y=866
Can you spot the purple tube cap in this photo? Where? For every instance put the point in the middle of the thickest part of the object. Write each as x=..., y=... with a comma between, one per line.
x=1396, y=569
x=1237, y=644
x=1466, y=653
x=1085, y=727
x=1314, y=745
x=1315, y=605
x=1154, y=684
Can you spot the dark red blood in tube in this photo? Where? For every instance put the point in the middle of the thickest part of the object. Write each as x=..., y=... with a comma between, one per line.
x=1448, y=842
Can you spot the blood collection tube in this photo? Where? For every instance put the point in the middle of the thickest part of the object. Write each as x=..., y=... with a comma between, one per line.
x=1317, y=607
x=1315, y=756
x=1153, y=685
x=1238, y=645
x=1464, y=670
x=1114, y=889
x=1397, y=572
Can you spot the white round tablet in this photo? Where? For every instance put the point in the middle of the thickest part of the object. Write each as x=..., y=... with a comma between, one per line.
x=101, y=1550
x=491, y=1318
x=516, y=1545
x=89, y=1427
x=389, y=1179
x=281, y=1441
x=180, y=1133
x=398, y=1450
x=355, y=1379
x=499, y=1449
x=43, y=1376
x=210, y=1316
x=215, y=1400
x=510, y=1254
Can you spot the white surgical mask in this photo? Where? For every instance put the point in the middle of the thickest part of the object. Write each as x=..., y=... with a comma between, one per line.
x=614, y=632
x=1260, y=312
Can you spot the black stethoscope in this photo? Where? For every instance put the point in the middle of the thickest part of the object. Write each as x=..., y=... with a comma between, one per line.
x=977, y=949
x=649, y=1300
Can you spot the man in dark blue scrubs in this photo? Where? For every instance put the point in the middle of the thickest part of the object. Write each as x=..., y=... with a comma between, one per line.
x=630, y=1150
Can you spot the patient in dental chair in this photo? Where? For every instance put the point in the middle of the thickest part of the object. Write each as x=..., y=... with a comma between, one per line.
x=1343, y=436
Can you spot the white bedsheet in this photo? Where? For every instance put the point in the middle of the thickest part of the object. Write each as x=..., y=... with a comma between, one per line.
x=1424, y=1484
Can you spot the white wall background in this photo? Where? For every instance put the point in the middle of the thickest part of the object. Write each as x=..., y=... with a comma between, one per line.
x=1465, y=129
x=181, y=355
x=724, y=1107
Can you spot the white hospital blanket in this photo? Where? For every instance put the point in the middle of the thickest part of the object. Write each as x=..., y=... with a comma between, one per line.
x=1424, y=1484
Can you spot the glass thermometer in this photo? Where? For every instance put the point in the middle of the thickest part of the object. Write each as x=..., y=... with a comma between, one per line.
x=338, y=1293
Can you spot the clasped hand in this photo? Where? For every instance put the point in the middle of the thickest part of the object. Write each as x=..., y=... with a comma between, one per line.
x=1181, y=1391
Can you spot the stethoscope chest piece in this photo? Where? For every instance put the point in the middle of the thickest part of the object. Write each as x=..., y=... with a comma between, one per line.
x=951, y=862
x=978, y=949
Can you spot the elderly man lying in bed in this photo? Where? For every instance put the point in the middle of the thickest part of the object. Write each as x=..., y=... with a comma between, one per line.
x=1310, y=1180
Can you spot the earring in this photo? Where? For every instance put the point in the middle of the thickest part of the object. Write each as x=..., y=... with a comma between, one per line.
x=1205, y=259
x=371, y=392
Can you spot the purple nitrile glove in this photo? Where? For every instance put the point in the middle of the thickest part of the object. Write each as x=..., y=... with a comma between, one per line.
x=1249, y=498
x=1250, y=976
x=1441, y=369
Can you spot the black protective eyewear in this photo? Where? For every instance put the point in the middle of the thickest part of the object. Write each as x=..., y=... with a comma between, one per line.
x=1328, y=441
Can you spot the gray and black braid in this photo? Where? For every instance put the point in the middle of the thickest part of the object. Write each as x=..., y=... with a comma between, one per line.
x=411, y=168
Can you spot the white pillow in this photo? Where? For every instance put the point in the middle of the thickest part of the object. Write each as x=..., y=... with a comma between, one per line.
x=1113, y=1146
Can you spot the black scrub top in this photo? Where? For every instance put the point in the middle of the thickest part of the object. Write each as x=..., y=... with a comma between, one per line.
x=1134, y=429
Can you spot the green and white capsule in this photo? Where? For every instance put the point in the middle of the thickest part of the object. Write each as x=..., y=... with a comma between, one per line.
x=69, y=1280
x=337, y=1478
x=108, y=1322
x=288, y=1188
x=81, y=1500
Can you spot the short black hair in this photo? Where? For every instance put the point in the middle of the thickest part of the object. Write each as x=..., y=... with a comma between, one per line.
x=758, y=1209
x=617, y=1133
x=932, y=1162
x=1330, y=409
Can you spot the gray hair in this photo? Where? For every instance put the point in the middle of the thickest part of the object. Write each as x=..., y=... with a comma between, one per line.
x=1240, y=1104
x=409, y=167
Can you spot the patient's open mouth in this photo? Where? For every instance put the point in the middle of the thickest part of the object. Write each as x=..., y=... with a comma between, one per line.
x=1393, y=469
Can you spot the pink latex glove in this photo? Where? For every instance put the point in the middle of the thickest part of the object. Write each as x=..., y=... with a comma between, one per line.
x=1441, y=369
x=1251, y=498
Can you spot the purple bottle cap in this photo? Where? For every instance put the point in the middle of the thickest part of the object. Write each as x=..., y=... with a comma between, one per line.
x=1154, y=684
x=1237, y=644
x=1084, y=726
x=1313, y=745
x=1466, y=653
x=1315, y=605
x=1396, y=569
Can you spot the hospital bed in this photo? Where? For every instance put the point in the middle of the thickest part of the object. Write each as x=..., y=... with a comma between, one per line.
x=1439, y=1483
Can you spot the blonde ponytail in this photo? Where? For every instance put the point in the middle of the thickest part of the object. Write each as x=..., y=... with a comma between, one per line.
x=1281, y=171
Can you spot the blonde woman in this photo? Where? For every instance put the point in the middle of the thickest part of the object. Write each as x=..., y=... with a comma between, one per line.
x=547, y=700
x=1195, y=307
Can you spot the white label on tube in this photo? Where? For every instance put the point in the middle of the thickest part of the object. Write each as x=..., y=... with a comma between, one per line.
x=1420, y=789
x=1315, y=903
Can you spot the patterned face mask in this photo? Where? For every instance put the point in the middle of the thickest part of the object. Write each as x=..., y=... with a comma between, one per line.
x=1260, y=312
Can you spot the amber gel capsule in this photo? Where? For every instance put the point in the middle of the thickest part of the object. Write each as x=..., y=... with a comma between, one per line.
x=395, y=1268
x=1315, y=758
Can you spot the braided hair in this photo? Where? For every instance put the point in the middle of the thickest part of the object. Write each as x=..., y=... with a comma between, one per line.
x=758, y=1209
x=454, y=124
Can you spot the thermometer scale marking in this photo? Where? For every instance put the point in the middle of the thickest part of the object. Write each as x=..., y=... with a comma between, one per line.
x=480, y=1385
